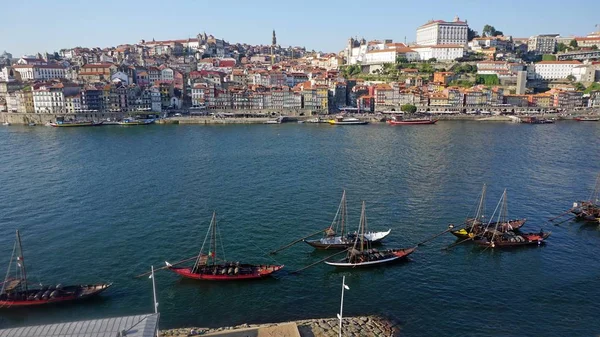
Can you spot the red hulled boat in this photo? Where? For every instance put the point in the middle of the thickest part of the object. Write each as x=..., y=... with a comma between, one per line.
x=15, y=291
x=209, y=267
x=226, y=271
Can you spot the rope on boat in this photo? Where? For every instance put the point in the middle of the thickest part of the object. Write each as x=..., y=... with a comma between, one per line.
x=9, y=266
x=266, y=254
x=296, y=241
x=315, y=263
x=561, y=215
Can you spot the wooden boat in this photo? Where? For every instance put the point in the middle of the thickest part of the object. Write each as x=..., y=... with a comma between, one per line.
x=341, y=120
x=16, y=292
x=511, y=239
x=335, y=238
x=587, y=119
x=6, y=124
x=208, y=267
x=362, y=255
x=588, y=210
x=493, y=238
x=412, y=121
x=475, y=225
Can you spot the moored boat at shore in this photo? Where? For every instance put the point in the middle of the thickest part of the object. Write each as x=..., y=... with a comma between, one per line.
x=208, y=267
x=59, y=124
x=536, y=120
x=412, y=121
x=16, y=292
x=341, y=120
x=587, y=119
x=134, y=122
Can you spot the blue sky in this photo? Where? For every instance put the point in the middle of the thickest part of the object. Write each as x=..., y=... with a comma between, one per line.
x=30, y=26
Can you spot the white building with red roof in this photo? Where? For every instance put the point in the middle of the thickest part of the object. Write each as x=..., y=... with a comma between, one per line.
x=439, y=32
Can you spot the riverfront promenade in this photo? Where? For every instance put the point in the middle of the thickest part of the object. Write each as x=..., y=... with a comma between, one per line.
x=42, y=119
x=362, y=326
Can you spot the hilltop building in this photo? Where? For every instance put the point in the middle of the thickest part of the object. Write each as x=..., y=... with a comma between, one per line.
x=542, y=44
x=439, y=32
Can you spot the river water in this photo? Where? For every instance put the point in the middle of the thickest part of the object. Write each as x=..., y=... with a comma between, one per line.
x=106, y=203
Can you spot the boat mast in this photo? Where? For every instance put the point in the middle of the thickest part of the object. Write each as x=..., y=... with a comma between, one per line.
x=505, y=208
x=343, y=210
x=208, y=234
x=363, y=220
x=213, y=241
x=501, y=203
x=596, y=192
x=21, y=261
x=481, y=209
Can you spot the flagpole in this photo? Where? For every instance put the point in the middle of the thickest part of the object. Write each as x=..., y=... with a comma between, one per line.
x=344, y=287
x=154, y=291
x=154, y=294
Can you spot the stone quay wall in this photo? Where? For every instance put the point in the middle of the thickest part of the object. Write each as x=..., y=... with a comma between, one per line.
x=41, y=119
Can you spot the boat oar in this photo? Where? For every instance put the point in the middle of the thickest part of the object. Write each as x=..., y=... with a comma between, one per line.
x=296, y=241
x=327, y=258
x=165, y=267
x=450, y=227
x=562, y=214
x=457, y=243
x=569, y=219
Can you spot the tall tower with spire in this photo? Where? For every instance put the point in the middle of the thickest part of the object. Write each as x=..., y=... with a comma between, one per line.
x=273, y=44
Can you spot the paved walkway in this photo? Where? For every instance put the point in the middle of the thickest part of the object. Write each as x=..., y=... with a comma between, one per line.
x=280, y=330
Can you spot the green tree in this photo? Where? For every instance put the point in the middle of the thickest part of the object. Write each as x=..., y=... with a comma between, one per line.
x=561, y=47
x=579, y=86
x=548, y=57
x=432, y=60
x=594, y=47
x=401, y=60
x=461, y=83
x=573, y=43
x=426, y=68
x=571, y=78
x=593, y=87
x=491, y=79
x=408, y=108
x=471, y=34
x=490, y=31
